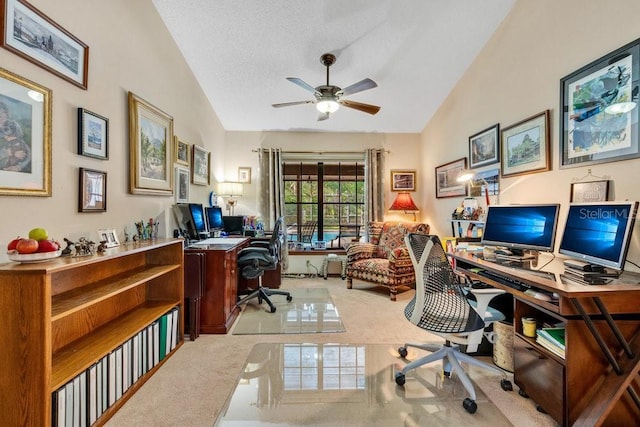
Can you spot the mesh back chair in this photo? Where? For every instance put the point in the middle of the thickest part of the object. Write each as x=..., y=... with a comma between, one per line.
x=259, y=257
x=440, y=306
x=308, y=228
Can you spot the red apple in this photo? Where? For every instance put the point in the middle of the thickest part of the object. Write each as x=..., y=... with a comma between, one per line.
x=27, y=246
x=48, y=246
x=12, y=244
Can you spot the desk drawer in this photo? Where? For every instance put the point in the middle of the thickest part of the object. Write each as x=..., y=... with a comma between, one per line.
x=541, y=377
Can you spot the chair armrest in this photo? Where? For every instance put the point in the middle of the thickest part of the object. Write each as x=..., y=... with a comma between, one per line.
x=360, y=250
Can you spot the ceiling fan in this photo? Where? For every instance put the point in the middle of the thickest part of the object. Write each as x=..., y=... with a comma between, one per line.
x=330, y=97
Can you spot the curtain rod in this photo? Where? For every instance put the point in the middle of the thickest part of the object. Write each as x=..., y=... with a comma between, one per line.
x=319, y=152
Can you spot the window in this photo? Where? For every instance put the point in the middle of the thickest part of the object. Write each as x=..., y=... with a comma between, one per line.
x=330, y=193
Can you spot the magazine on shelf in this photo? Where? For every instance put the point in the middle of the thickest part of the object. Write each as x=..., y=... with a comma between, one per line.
x=554, y=335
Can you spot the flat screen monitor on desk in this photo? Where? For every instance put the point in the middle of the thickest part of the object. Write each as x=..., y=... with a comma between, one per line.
x=191, y=219
x=599, y=233
x=214, y=218
x=521, y=227
x=234, y=224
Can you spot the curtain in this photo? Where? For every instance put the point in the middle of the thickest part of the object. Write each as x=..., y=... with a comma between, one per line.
x=271, y=195
x=374, y=186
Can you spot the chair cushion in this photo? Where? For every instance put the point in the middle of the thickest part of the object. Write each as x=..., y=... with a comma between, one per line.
x=392, y=235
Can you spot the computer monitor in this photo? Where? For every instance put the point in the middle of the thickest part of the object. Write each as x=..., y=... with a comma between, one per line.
x=234, y=224
x=521, y=227
x=199, y=219
x=191, y=219
x=214, y=218
x=599, y=233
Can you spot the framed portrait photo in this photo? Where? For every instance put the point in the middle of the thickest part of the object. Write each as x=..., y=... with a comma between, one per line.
x=25, y=154
x=182, y=184
x=200, y=168
x=599, y=121
x=526, y=146
x=403, y=180
x=588, y=192
x=181, y=150
x=31, y=34
x=151, y=149
x=92, y=193
x=244, y=175
x=447, y=184
x=483, y=147
x=93, y=134
x=109, y=236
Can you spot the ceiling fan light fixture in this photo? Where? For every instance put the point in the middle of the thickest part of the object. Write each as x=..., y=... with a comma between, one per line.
x=327, y=106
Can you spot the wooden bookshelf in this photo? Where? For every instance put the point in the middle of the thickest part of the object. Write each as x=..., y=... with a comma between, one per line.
x=61, y=316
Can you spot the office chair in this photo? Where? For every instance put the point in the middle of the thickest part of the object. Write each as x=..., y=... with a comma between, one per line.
x=308, y=228
x=259, y=257
x=440, y=306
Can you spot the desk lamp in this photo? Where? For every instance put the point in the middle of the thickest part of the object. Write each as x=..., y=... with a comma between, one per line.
x=466, y=175
x=404, y=203
x=230, y=190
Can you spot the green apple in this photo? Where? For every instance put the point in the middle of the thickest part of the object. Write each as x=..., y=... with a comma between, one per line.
x=38, y=234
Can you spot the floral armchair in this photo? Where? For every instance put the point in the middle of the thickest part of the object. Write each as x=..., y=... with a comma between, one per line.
x=384, y=259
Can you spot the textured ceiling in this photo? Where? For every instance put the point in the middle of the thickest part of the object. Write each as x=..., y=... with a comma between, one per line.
x=241, y=52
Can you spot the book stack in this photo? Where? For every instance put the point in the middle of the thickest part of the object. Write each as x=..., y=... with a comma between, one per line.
x=552, y=339
x=86, y=397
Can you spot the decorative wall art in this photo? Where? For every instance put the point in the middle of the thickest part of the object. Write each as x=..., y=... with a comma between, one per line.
x=588, y=192
x=403, y=180
x=181, y=150
x=25, y=149
x=93, y=134
x=200, y=168
x=29, y=33
x=447, y=184
x=244, y=175
x=92, y=191
x=526, y=146
x=151, y=148
x=182, y=185
x=483, y=147
x=600, y=109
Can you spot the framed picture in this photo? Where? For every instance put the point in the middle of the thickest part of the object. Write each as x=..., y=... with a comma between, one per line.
x=599, y=108
x=200, y=159
x=483, y=147
x=447, y=184
x=181, y=150
x=485, y=183
x=93, y=134
x=25, y=151
x=151, y=149
x=109, y=236
x=587, y=192
x=92, y=194
x=526, y=146
x=182, y=185
x=31, y=34
x=244, y=175
x=403, y=180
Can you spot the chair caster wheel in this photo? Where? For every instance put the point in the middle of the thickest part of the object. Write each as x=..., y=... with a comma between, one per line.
x=447, y=374
x=273, y=310
x=540, y=409
x=506, y=385
x=522, y=393
x=469, y=405
x=289, y=298
x=400, y=378
x=403, y=352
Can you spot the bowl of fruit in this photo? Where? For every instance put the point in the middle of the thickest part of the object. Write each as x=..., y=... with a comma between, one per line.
x=35, y=248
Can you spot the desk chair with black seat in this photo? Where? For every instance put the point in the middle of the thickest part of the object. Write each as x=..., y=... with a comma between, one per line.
x=440, y=306
x=259, y=257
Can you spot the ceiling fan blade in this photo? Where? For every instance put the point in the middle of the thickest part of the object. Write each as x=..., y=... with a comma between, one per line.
x=304, y=85
x=287, y=104
x=323, y=116
x=367, y=108
x=358, y=87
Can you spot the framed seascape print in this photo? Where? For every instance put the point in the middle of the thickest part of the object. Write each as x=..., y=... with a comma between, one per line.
x=25, y=148
x=599, y=121
x=181, y=150
x=182, y=184
x=588, y=192
x=244, y=175
x=93, y=134
x=29, y=33
x=200, y=159
x=93, y=191
x=526, y=146
x=109, y=236
x=483, y=147
x=403, y=180
x=151, y=148
x=447, y=184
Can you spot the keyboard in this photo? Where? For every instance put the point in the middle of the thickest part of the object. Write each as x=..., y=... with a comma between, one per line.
x=504, y=280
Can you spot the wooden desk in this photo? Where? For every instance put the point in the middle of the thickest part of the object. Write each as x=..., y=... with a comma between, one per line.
x=218, y=308
x=597, y=381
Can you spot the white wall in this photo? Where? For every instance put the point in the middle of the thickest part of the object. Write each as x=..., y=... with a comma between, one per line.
x=517, y=75
x=130, y=49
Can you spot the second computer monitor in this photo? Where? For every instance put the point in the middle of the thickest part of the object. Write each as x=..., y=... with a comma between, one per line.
x=214, y=218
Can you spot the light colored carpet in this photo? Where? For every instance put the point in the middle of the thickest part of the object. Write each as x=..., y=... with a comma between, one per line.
x=311, y=310
x=192, y=387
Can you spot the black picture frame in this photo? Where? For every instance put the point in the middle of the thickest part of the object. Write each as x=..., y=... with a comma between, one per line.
x=484, y=147
x=93, y=134
x=447, y=184
x=591, y=129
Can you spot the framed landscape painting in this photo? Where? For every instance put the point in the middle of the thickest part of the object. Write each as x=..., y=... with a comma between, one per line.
x=483, y=147
x=447, y=184
x=200, y=159
x=150, y=148
x=93, y=134
x=526, y=146
x=403, y=180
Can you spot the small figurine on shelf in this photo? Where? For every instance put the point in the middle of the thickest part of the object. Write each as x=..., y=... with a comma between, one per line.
x=126, y=235
x=102, y=247
x=67, y=251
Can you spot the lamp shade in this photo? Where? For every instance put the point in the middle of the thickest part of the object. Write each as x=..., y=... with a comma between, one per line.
x=230, y=189
x=404, y=202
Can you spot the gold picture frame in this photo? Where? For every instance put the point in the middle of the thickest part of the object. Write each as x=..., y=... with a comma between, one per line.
x=25, y=107
x=244, y=175
x=92, y=191
x=200, y=165
x=403, y=180
x=181, y=150
x=151, y=149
